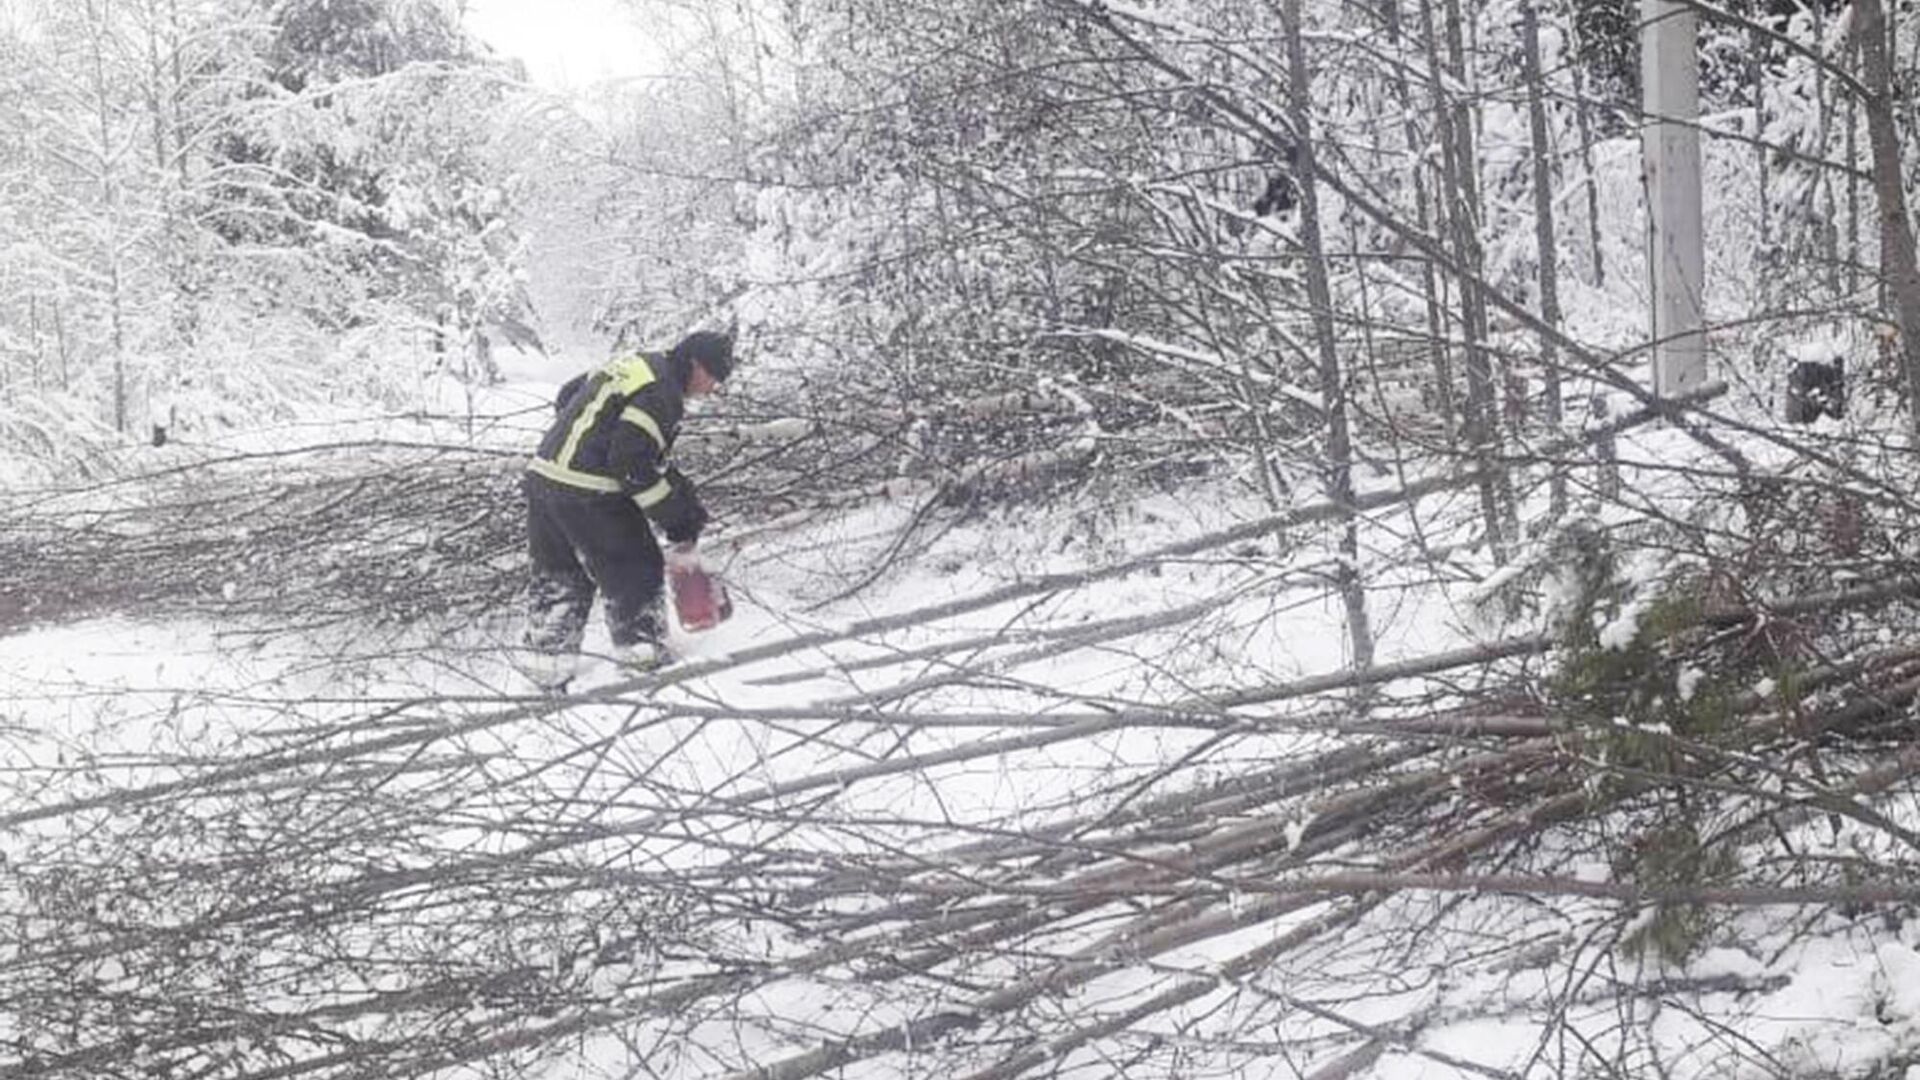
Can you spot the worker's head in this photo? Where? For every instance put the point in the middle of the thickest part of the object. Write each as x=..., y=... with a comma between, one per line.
x=709, y=360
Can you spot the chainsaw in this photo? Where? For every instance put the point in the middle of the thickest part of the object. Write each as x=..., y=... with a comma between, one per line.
x=699, y=599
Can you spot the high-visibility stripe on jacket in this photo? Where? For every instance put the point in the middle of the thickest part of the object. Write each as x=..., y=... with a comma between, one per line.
x=614, y=429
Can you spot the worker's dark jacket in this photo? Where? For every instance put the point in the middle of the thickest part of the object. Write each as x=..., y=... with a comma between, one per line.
x=613, y=432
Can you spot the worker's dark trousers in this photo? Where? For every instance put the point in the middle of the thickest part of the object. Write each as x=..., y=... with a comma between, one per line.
x=579, y=540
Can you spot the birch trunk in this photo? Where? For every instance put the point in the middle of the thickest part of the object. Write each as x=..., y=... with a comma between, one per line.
x=1459, y=165
x=1339, y=474
x=1425, y=212
x=110, y=199
x=1899, y=267
x=1582, y=109
x=1543, y=231
x=1757, y=73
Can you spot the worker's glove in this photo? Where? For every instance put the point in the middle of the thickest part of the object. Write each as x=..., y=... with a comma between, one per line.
x=680, y=515
x=688, y=529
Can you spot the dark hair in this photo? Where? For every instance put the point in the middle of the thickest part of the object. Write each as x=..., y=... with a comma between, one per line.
x=710, y=350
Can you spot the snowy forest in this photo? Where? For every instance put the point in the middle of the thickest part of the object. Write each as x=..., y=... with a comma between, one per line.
x=1216, y=593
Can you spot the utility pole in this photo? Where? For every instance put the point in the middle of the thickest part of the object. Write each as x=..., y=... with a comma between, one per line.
x=1670, y=146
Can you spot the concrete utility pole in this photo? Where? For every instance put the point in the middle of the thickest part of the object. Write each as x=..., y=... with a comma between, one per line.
x=1670, y=139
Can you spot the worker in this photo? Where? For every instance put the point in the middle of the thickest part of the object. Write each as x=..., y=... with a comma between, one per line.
x=596, y=490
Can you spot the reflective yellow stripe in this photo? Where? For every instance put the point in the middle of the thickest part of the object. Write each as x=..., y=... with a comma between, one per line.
x=645, y=422
x=625, y=378
x=583, y=423
x=629, y=377
x=654, y=495
x=572, y=477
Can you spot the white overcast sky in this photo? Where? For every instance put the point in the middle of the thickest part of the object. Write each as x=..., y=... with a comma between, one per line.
x=567, y=44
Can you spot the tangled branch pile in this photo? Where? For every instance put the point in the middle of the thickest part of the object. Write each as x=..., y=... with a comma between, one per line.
x=672, y=871
x=322, y=535
x=401, y=532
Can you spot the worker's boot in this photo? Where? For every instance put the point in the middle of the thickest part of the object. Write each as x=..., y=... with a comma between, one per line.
x=643, y=655
x=550, y=671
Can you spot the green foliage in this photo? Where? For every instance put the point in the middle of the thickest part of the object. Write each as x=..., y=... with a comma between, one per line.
x=1670, y=855
x=1646, y=681
x=1641, y=676
x=1637, y=659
